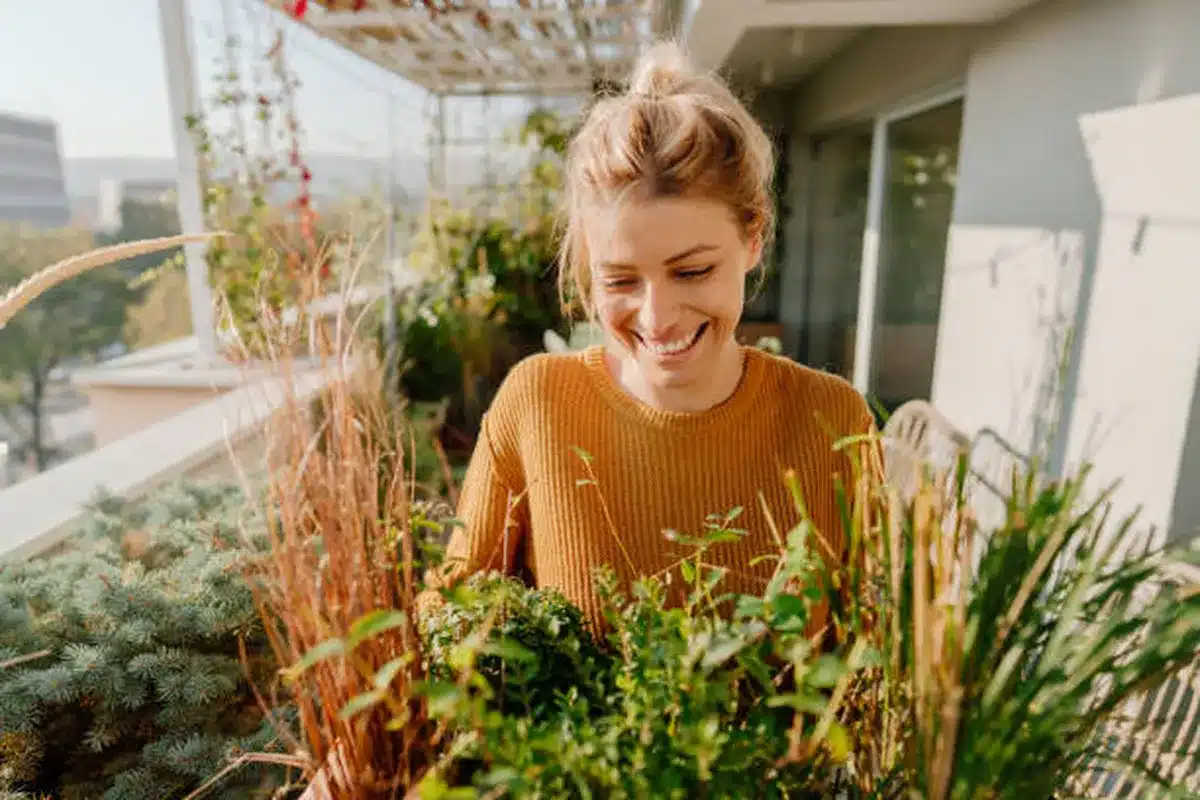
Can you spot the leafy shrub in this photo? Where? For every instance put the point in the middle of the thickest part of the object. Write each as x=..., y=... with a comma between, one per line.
x=683, y=701
x=533, y=646
x=129, y=681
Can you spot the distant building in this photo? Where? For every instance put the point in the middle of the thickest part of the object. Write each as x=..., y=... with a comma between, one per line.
x=115, y=192
x=32, y=188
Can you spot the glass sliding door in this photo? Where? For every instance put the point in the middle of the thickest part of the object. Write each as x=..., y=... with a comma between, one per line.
x=917, y=207
x=880, y=202
x=837, y=203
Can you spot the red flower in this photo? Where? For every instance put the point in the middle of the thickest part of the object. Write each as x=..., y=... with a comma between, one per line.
x=305, y=175
x=299, y=9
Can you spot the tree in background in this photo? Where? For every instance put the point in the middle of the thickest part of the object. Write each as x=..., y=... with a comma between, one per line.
x=71, y=322
x=164, y=312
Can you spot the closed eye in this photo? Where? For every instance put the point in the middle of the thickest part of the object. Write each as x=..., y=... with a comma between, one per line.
x=692, y=274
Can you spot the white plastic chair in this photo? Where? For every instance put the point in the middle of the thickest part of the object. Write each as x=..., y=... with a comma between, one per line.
x=554, y=343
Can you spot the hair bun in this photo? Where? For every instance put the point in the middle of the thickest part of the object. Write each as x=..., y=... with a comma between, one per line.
x=662, y=70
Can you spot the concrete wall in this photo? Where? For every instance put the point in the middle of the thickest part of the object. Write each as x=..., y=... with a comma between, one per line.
x=885, y=67
x=122, y=410
x=1078, y=208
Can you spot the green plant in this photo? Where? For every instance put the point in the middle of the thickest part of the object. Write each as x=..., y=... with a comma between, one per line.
x=131, y=653
x=1012, y=651
x=488, y=294
x=957, y=664
x=275, y=256
x=531, y=646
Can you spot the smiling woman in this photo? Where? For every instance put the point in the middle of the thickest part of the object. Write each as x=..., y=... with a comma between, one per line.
x=669, y=288
x=595, y=458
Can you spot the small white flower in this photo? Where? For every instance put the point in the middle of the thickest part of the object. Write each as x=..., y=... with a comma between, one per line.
x=481, y=284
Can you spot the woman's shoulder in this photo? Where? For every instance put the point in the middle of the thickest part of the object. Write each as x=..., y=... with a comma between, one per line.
x=824, y=393
x=539, y=379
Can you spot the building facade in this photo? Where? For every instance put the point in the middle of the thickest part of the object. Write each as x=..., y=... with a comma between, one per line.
x=993, y=205
x=32, y=186
x=115, y=193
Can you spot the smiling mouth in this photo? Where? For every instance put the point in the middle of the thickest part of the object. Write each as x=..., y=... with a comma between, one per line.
x=676, y=348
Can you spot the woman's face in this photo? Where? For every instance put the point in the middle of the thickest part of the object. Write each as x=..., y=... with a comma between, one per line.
x=668, y=284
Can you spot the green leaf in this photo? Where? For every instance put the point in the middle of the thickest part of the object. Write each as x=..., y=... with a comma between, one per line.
x=500, y=776
x=748, y=606
x=723, y=536
x=804, y=702
x=788, y=605
x=374, y=623
x=325, y=650
x=791, y=615
x=387, y=673
x=689, y=571
x=825, y=672
x=721, y=650
x=839, y=742
x=360, y=703
x=584, y=455
x=508, y=650
x=442, y=697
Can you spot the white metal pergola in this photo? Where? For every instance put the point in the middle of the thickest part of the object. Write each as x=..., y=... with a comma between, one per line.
x=488, y=47
x=451, y=48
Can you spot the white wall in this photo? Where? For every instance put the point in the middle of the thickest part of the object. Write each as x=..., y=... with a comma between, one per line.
x=1046, y=239
x=885, y=67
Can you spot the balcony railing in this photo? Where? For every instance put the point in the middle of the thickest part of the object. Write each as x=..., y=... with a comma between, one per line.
x=202, y=442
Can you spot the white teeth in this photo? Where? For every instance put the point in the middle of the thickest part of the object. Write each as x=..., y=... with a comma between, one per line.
x=667, y=348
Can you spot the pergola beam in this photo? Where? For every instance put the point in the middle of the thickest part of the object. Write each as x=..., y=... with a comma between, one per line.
x=432, y=49
x=349, y=20
x=505, y=50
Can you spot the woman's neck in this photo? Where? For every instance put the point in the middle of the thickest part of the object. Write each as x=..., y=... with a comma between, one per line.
x=696, y=396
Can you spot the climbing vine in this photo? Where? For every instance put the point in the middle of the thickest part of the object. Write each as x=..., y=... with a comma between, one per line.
x=258, y=187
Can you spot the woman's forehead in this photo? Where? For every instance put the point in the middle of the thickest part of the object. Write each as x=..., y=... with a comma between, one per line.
x=659, y=231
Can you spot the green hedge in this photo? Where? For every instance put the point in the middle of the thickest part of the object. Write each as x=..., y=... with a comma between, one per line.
x=134, y=687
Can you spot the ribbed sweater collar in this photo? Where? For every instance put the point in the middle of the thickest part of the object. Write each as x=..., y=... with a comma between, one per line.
x=737, y=404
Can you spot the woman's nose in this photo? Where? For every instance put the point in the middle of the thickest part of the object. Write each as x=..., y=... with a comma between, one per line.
x=659, y=308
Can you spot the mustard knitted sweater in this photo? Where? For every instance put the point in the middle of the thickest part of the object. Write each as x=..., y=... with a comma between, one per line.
x=570, y=472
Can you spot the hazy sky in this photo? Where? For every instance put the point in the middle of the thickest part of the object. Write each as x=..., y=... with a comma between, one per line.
x=97, y=69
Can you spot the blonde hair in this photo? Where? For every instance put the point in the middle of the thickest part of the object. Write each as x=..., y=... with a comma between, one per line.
x=675, y=132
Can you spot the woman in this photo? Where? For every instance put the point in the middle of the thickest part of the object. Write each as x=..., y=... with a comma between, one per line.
x=589, y=459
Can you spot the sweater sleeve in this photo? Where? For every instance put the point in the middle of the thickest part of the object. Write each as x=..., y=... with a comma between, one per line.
x=491, y=506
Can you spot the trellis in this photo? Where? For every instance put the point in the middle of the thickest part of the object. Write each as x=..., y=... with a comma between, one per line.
x=488, y=48
x=488, y=53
